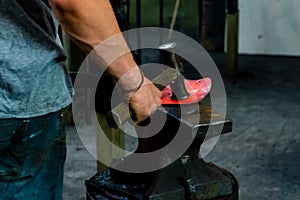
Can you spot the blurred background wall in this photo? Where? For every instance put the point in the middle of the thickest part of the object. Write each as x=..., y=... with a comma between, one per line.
x=269, y=27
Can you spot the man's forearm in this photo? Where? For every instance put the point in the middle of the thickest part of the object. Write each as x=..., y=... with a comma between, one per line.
x=89, y=23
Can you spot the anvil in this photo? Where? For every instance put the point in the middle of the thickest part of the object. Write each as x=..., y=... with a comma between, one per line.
x=187, y=178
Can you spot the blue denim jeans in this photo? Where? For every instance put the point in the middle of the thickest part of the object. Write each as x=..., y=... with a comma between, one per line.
x=32, y=156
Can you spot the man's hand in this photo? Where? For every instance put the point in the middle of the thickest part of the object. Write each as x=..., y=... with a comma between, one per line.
x=143, y=96
x=145, y=101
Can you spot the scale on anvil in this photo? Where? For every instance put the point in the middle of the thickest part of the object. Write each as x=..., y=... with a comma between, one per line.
x=188, y=177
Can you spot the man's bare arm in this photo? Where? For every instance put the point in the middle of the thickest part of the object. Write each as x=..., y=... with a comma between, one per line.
x=89, y=23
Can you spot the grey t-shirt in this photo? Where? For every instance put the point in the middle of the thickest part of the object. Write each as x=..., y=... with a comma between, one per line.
x=33, y=79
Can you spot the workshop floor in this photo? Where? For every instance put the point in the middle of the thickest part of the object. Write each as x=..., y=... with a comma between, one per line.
x=263, y=149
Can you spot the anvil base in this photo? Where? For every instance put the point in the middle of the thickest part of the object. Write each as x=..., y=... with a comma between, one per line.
x=209, y=181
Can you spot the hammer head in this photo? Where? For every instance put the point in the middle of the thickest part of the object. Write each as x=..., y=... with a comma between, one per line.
x=170, y=58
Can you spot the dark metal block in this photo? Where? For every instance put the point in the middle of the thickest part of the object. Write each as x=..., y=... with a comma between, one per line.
x=211, y=182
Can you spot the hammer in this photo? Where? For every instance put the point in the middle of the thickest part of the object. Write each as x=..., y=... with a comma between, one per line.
x=173, y=75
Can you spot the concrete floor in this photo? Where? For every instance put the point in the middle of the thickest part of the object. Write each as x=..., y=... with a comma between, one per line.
x=263, y=149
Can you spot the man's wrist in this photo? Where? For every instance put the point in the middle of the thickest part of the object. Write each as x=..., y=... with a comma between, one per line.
x=131, y=81
x=137, y=87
